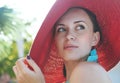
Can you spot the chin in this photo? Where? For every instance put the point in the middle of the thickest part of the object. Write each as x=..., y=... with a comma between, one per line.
x=71, y=58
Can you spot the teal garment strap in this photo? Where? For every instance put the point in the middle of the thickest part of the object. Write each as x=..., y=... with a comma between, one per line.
x=93, y=57
x=67, y=82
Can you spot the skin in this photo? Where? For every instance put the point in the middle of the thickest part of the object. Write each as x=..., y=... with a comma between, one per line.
x=90, y=72
x=74, y=38
x=25, y=74
x=74, y=35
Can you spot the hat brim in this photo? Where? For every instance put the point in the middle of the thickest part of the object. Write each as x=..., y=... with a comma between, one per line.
x=107, y=13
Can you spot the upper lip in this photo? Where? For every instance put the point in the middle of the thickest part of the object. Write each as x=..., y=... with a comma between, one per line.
x=70, y=46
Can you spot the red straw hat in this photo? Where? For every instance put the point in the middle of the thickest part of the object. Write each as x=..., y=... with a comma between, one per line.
x=108, y=15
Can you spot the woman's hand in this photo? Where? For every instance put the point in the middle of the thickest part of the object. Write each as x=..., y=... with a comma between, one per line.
x=25, y=75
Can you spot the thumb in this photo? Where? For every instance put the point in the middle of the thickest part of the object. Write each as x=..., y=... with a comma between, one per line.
x=32, y=65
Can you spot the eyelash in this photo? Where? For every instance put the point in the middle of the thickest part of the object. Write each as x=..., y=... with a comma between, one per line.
x=81, y=27
x=61, y=29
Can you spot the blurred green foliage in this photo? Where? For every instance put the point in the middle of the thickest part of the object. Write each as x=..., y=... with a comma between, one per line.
x=11, y=28
x=10, y=23
x=7, y=62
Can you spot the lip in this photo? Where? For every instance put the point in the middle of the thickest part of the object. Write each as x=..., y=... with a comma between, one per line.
x=70, y=46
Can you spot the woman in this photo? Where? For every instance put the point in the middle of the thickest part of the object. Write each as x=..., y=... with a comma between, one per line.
x=69, y=37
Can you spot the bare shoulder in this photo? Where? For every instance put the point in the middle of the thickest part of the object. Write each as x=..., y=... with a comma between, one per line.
x=89, y=72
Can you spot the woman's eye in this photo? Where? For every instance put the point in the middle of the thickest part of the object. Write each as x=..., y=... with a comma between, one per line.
x=80, y=27
x=61, y=30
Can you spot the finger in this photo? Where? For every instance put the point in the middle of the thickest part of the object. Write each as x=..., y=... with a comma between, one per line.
x=17, y=74
x=20, y=64
x=15, y=70
x=33, y=64
x=22, y=67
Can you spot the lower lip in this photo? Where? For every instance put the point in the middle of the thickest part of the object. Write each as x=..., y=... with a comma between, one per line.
x=70, y=47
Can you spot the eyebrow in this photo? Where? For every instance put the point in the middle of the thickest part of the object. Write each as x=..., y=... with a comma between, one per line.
x=78, y=21
x=74, y=23
x=60, y=25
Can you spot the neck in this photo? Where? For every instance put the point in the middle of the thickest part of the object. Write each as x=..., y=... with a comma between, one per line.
x=70, y=65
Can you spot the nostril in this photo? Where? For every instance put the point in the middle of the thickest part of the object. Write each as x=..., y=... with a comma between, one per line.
x=70, y=37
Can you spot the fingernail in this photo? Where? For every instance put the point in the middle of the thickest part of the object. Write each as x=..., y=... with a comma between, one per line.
x=28, y=57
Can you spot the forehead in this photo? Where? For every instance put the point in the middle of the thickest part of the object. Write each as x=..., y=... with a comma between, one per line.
x=75, y=14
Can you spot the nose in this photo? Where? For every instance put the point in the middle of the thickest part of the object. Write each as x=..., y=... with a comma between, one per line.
x=70, y=36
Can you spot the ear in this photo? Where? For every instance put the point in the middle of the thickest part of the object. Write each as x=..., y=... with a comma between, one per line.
x=96, y=38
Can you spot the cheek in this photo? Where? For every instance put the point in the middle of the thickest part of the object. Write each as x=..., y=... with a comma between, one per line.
x=59, y=44
x=85, y=45
x=85, y=40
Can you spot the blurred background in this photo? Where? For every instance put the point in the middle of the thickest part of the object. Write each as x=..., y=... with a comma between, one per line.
x=19, y=23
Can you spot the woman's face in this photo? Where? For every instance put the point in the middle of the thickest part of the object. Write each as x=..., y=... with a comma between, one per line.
x=74, y=36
